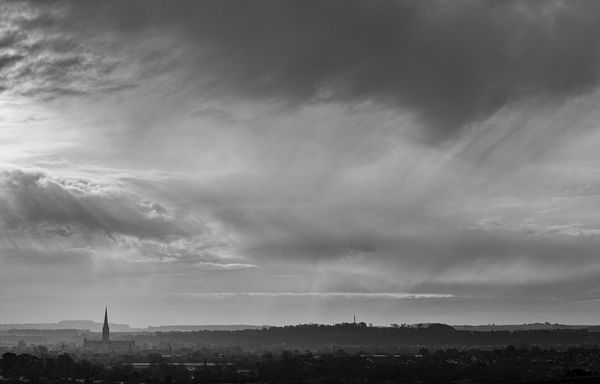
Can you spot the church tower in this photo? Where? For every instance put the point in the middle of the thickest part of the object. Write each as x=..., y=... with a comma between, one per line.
x=105, y=331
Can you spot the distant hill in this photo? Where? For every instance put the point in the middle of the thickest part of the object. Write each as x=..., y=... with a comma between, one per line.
x=191, y=328
x=70, y=324
x=115, y=327
x=348, y=336
x=521, y=327
x=360, y=337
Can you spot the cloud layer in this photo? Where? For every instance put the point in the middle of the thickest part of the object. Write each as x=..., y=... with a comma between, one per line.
x=322, y=157
x=450, y=65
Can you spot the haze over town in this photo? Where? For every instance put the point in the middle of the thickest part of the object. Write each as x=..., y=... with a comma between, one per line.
x=285, y=162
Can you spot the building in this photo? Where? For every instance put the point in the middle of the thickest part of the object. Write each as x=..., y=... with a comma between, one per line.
x=106, y=345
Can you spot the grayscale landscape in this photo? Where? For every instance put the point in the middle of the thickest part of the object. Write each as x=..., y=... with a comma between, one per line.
x=299, y=191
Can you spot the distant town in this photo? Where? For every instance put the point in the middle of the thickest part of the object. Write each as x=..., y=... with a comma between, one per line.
x=347, y=352
x=94, y=337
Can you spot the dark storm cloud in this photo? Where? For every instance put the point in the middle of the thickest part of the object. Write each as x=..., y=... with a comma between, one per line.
x=8, y=60
x=33, y=200
x=8, y=39
x=42, y=54
x=449, y=62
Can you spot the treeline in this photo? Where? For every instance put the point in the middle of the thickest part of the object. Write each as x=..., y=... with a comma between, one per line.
x=27, y=368
x=37, y=368
x=317, y=337
x=507, y=365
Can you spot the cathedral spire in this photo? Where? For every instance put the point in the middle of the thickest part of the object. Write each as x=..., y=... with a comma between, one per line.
x=105, y=330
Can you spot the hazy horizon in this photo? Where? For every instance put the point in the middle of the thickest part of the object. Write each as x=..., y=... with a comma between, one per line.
x=285, y=162
x=133, y=327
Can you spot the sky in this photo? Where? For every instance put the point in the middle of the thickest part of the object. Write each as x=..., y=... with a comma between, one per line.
x=284, y=162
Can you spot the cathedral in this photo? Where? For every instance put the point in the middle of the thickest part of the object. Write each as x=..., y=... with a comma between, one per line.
x=106, y=344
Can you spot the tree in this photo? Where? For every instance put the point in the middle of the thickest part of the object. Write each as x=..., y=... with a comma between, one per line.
x=40, y=350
